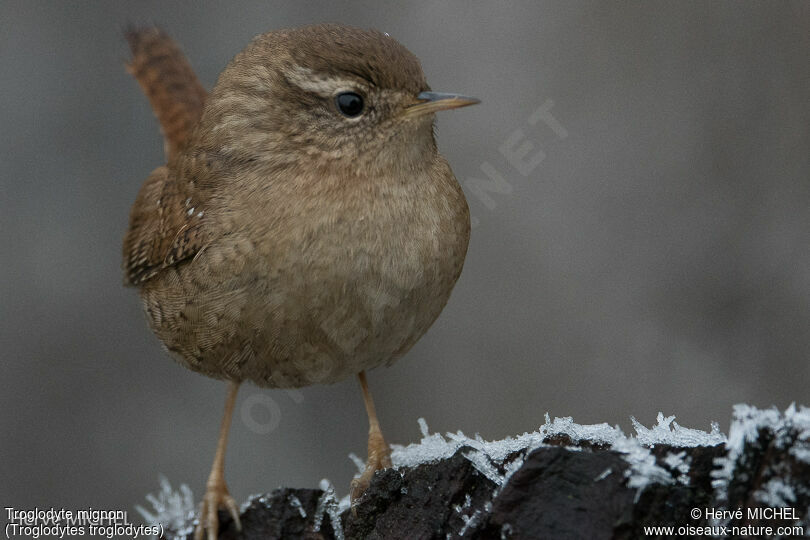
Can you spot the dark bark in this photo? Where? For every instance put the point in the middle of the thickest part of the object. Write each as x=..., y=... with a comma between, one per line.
x=566, y=489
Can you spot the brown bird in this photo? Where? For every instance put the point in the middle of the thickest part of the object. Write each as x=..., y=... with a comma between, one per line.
x=305, y=227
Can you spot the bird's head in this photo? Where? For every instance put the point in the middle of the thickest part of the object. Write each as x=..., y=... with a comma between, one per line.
x=325, y=95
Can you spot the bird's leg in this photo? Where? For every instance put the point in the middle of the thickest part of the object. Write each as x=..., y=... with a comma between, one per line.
x=216, y=492
x=379, y=454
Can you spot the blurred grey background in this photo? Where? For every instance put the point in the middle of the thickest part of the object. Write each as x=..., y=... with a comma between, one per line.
x=655, y=259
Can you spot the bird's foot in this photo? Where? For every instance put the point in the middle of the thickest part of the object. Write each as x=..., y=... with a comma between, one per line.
x=216, y=496
x=379, y=458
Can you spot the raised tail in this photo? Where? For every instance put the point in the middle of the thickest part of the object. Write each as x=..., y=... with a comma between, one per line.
x=176, y=95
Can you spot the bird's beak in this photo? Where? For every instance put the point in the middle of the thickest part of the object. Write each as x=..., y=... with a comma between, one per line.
x=430, y=102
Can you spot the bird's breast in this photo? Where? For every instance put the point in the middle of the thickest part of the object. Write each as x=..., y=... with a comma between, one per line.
x=335, y=282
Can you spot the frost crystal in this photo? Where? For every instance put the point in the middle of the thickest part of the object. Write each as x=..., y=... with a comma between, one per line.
x=669, y=432
x=802, y=454
x=261, y=498
x=467, y=503
x=604, y=474
x=483, y=464
x=469, y=521
x=595, y=433
x=295, y=502
x=328, y=504
x=506, y=531
x=173, y=509
x=361, y=466
x=679, y=462
x=746, y=423
x=499, y=460
x=345, y=503
x=776, y=494
x=489, y=457
x=511, y=468
x=434, y=447
x=643, y=469
x=423, y=427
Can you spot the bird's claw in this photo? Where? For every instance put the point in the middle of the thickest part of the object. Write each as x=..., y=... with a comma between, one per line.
x=216, y=496
x=379, y=458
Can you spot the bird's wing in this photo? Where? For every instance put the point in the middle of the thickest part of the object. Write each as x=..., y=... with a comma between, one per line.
x=164, y=229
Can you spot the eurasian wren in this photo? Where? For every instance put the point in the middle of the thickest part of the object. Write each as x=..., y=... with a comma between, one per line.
x=305, y=227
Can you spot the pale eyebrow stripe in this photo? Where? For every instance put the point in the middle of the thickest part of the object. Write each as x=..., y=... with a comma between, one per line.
x=318, y=83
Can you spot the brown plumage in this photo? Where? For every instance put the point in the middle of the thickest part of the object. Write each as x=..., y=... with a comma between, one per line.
x=291, y=240
x=176, y=95
x=160, y=232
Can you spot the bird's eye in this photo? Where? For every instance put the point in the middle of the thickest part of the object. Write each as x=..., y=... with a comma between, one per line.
x=349, y=103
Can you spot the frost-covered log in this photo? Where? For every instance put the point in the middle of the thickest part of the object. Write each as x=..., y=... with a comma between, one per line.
x=563, y=481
